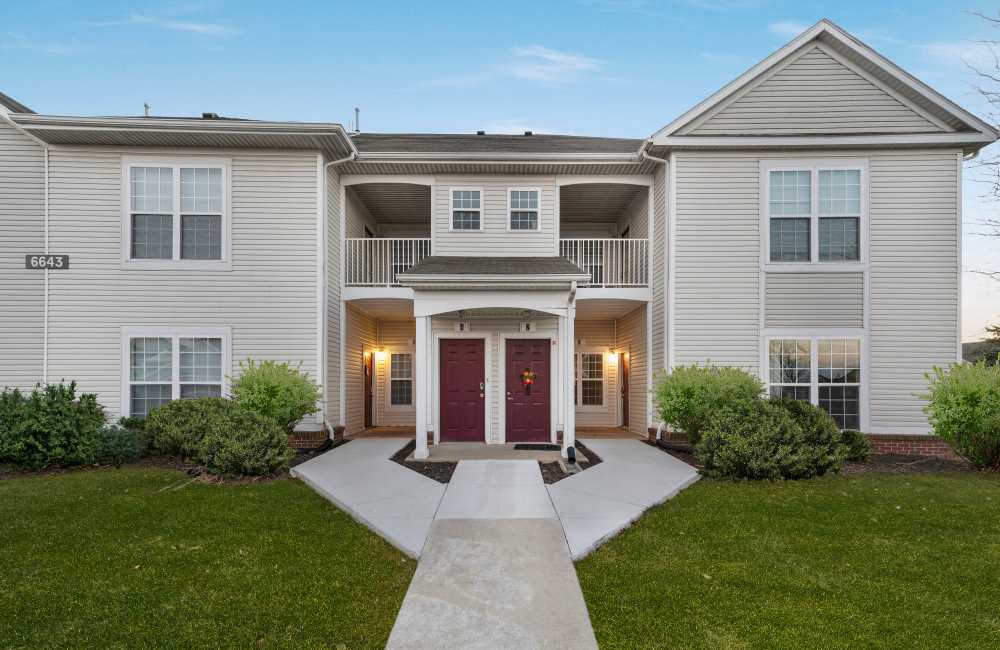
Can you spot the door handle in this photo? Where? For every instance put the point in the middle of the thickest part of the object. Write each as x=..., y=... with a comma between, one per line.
x=482, y=385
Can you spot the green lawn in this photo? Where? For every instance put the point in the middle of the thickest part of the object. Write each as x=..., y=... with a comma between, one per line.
x=841, y=562
x=110, y=558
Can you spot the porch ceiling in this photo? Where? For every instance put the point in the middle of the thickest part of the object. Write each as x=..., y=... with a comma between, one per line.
x=596, y=202
x=385, y=308
x=396, y=202
x=604, y=308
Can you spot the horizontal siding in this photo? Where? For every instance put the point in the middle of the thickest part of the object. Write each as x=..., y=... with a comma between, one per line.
x=716, y=264
x=494, y=240
x=814, y=93
x=657, y=285
x=361, y=338
x=630, y=331
x=914, y=280
x=357, y=216
x=599, y=335
x=814, y=300
x=636, y=217
x=333, y=296
x=268, y=298
x=394, y=336
x=22, y=201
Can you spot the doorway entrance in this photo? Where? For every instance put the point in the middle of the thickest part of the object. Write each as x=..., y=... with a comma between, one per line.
x=527, y=390
x=463, y=390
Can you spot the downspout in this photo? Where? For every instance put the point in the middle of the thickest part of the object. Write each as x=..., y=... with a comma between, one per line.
x=45, y=226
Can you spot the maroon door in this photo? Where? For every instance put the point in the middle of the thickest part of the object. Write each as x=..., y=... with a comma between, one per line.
x=528, y=413
x=463, y=394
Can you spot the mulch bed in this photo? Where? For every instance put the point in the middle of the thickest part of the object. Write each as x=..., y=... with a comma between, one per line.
x=439, y=471
x=903, y=464
x=680, y=450
x=553, y=472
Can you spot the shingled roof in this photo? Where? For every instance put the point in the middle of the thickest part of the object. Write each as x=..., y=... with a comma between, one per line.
x=445, y=143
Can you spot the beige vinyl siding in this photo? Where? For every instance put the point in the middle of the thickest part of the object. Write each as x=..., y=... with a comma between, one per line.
x=357, y=216
x=598, y=336
x=333, y=298
x=813, y=93
x=914, y=280
x=361, y=339
x=268, y=298
x=814, y=300
x=630, y=332
x=636, y=217
x=716, y=301
x=494, y=239
x=394, y=336
x=22, y=201
x=657, y=284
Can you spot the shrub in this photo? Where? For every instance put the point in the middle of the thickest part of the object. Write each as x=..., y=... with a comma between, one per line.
x=220, y=435
x=276, y=390
x=819, y=431
x=856, y=446
x=964, y=409
x=50, y=426
x=689, y=396
x=117, y=444
x=247, y=444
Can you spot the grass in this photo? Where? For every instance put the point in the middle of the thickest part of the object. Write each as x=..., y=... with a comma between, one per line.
x=115, y=558
x=840, y=562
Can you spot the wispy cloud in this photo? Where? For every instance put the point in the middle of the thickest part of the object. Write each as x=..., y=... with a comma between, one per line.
x=13, y=41
x=537, y=63
x=964, y=53
x=190, y=27
x=787, y=28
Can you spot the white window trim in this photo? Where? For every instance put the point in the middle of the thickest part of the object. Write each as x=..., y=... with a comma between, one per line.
x=578, y=379
x=173, y=333
x=388, y=380
x=538, y=210
x=814, y=166
x=813, y=335
x=452, y=209
x=128, y=162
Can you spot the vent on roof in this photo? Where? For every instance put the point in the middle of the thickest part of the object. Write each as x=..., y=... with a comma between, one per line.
x=209, y=116
x=480, y=132
x=528, y=133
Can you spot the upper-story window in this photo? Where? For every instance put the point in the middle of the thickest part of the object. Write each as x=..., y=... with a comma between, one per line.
x=816, y=211
x=176, y=214
x=466, y=209
x=522, y=209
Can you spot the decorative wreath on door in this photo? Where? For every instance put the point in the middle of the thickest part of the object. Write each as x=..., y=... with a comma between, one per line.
x=527, y=379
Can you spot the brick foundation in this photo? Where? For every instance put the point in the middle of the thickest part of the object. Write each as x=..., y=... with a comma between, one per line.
x=307, y=439
x=909, y=445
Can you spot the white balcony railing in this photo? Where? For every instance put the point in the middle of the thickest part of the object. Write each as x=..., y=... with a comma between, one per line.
x=610, y=262
x=377, y=262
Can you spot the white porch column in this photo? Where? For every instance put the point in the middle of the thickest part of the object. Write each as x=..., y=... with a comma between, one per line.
x=568, y=345
x=420, y=387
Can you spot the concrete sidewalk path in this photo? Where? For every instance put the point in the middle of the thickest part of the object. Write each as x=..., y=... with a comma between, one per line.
x=496, y=571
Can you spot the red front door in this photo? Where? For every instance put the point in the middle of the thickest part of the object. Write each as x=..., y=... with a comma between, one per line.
x=528, y=413
x=463, y=394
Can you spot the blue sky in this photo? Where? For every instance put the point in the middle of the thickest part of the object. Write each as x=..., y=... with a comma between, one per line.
x=595, y=67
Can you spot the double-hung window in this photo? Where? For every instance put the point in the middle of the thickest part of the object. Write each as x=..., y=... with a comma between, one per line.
x=176, y=214
x=815, y=211
x=522, y=209
x=401, y=379
x=164, y=365
x=466, y=209
x=589, y=379
x=822, y=371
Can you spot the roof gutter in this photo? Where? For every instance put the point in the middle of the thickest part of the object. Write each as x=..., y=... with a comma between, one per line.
x=645, y=156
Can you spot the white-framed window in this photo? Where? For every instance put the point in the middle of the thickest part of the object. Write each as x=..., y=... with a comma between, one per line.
x=466, y=209
x=401, y=379
x=589, y=378
x=162, y=364
x=522, y=209
x=175, y=214
x=814, y=211
x=823, y=370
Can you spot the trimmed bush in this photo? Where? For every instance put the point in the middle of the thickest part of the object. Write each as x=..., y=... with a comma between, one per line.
x=176, y=428
x=819, y=432
x=689, y=396
x=117, y=444
x=247, y=444
x=50, y=426
x=964, y=409
x=856, y=446
x=276, y=390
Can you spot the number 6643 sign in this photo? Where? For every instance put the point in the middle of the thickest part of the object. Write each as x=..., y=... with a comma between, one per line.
x=39, y=262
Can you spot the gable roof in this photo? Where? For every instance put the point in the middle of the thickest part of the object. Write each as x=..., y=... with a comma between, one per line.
x=954, y=121
x=13, y=105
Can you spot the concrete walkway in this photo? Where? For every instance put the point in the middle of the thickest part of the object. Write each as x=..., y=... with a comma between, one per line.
x=496, y=570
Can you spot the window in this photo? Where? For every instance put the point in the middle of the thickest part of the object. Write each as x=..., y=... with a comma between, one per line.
x=164, y=366
x=175, y=213
x=823, y=371
x=816, y=212
x=466, y=210
x=522, y=208
x=590, y=379
x=401, y=379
